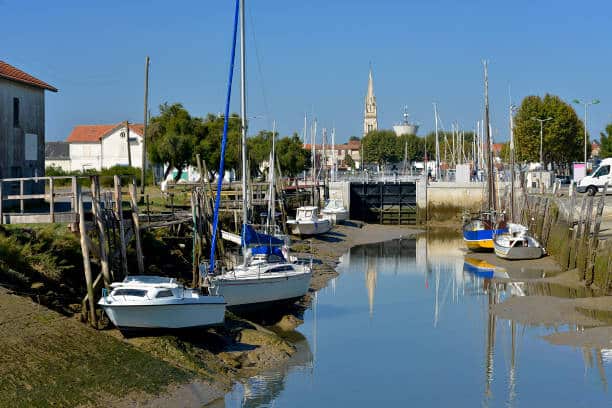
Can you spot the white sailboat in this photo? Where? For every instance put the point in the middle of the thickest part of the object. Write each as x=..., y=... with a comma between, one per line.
x=265, y=275
x=155, y=302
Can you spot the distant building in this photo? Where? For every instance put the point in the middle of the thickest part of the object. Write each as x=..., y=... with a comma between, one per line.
x=595, y=148
x=57, y=154
x=370, y=117
x=104, y=146
x=343, y=151
x=22, y=123
x=405, y=127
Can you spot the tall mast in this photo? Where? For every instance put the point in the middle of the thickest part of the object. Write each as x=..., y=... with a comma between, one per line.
x=511, y=162
x=437, y=143
x=333, y=154
x=270, y=221
x=487, y=129
x=305, y=126
x=243, y=117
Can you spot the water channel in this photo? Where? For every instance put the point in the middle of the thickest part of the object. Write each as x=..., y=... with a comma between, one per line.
x=407, y=324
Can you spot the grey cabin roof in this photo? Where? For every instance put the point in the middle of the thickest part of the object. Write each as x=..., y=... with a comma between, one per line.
x=57, y=151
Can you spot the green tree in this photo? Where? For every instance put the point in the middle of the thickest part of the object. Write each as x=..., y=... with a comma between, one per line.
x=381, y=146
x=209, y=136
x=563, y=136
x=291, y=156
x=259, y=148
x=605, y=142
x=354, y=139
x=348, y=160
x=172, y=138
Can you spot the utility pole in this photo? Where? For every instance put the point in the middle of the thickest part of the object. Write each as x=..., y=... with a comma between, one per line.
x=127, y=139
x=144, y=131
x=586, y=105
x=541, y=135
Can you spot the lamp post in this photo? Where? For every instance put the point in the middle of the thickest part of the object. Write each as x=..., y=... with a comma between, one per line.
x=586, y=105
x=541, y=134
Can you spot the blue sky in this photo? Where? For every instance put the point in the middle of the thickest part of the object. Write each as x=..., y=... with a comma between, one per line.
x=311, y=57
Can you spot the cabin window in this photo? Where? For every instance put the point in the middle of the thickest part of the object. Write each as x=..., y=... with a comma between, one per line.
x=130, y=292
x=164, y=294
x=286, y=268
x=16, y=112
x=307, y=214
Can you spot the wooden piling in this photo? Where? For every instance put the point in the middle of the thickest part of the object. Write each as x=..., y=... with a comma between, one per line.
x=86, y=261
x=594, y=240
x=136, y=223
x=51, y=200
x=97, y=214
x=1, y=200
x=119, y=215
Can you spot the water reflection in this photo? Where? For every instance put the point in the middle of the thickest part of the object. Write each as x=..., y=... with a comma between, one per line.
x=261, y=390
x=427, y=305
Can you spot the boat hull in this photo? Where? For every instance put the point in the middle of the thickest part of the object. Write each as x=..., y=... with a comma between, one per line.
x=241, y=292
x=336, y=217
x=482, y=239
x=165, y=316
x=517, y=253
x=310, y=228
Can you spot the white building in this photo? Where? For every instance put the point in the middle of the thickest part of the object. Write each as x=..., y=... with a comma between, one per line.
x=104, y=146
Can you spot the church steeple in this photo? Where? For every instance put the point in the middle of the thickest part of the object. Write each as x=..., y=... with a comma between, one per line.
x=370, y=118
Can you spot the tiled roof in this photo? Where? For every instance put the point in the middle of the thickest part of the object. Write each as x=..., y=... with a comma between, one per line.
x=93, y=133
x=10, y=72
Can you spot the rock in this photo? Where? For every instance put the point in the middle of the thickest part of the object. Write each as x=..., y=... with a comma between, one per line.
x=289, y=323
x=37, y=285
x=264, y=338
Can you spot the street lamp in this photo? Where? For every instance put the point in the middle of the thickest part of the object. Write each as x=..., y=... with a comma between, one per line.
x=541, y=132
x=586, y=104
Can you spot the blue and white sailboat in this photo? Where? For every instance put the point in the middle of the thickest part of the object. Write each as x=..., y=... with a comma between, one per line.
x=265, y=275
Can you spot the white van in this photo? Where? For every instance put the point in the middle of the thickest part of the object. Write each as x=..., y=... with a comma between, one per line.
x=596, y=181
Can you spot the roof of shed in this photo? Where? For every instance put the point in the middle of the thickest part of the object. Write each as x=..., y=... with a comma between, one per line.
x=14, y=74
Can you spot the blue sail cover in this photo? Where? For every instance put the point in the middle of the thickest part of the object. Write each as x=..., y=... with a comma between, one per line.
x=261, y=243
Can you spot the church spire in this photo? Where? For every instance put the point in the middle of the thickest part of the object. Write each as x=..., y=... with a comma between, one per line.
x=370, y=117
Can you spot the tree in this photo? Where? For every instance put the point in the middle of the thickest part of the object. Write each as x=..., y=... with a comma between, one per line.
x=209, y=136
x=348, y=160
x=563, y=136
x=172, y=138
x=354, y=139
x=291, y=156
x=382, y=147
x=259, y=148
x=605, y=142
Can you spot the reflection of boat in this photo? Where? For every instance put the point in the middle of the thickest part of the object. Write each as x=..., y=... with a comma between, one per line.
x=335, y=210
x=308, y=222
x=479, y=267
x=517, y=246
x=154, y=302
x=263, y=389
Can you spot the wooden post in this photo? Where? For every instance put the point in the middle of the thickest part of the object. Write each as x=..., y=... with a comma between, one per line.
x=127, y=138
x=51, y=200
x=136, y=222
x=1, y=200
x=21, y=196
x=73, y=202
x=86, y=261
x=594, y=241
x=119, y=212
x=97, y=214
x=586, y=232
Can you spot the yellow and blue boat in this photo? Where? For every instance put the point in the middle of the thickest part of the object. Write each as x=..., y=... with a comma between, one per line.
x=478, y=234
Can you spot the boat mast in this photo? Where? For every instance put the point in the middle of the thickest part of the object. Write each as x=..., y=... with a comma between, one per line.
x=487, y=129
x=270, y=221
x=243, y=121
x=437, y=143
x=511, y=162
x=333, y=169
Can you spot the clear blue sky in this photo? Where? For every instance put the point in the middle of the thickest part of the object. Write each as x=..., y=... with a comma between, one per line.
x=311, y=56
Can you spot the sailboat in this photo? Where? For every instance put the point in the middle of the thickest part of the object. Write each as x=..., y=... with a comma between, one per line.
x=478, y=231
x=516, y=244
x=265, y=276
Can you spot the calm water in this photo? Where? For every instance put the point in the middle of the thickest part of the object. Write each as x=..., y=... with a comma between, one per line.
x=405, y=325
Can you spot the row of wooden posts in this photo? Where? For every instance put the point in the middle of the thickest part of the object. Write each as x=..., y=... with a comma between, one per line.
x=572, y=236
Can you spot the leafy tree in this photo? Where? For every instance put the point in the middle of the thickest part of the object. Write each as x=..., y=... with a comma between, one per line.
x=354, y=138
x=210, y=134
x=259, y=147
x=291, y=155
x=605, y=142
x=381, y=146
x=563, y=136
x=172, y=138
x=348, y=160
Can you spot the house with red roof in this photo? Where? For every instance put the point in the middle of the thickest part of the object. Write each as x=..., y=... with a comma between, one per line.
x=22, y=123
x=104, y=146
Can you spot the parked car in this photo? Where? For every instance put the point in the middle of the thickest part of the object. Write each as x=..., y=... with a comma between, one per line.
x=565, y=180
x=596, y=181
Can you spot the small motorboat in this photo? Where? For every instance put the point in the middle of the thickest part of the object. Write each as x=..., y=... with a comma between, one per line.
x=334, y=209
x=156, y=302
x=308, y=222
x=517, y=245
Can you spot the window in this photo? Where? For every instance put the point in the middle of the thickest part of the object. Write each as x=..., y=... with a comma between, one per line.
x=15, y=112
x=129, y=292
x=164, y=293
x=602, y=171
x=286, y=268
